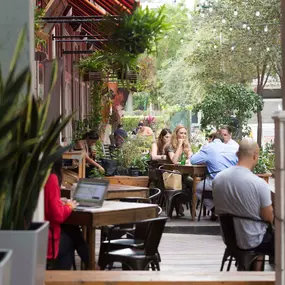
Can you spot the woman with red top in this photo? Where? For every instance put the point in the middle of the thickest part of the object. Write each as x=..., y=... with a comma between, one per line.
x=62, y=240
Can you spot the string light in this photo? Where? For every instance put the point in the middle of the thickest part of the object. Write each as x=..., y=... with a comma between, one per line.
x=233, y=48
x=248, y=27
x=268, y=49
x=235, y=12
x=244, y=26
x=165, y=36
x=211, y=10
x=215, y=46
x=181, y=40
x=257, y=14
x=266, y=29
x=231, y=29
x=178, y=32
x=224, y=21
x=250, y=49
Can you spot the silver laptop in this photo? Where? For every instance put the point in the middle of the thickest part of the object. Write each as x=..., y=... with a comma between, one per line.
x=91, y=192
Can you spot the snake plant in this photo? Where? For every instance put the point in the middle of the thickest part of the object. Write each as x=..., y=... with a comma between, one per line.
x=28, y=147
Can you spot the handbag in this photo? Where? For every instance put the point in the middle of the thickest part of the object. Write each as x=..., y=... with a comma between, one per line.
x=172, y=181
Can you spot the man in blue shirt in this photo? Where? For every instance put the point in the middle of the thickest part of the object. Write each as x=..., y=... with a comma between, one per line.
x=217, y=156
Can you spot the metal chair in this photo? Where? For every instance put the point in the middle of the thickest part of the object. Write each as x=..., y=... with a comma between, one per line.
x=143, y=256
x=244, y=258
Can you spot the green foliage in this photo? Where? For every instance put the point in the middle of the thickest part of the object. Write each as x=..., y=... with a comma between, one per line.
x=223, y=102
x=140, y=101
x=38, y=14
x=134, y=33
x=266, y=161
x=134, y=152
x=131, y=122
x=27, y=146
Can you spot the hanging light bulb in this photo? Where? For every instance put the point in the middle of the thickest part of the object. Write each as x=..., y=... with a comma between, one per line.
x=202, y=15
x=181, y=40
x=266, y=29
x=198, y=44
x=231, y=29
x=224, y=21
x=250, y=49
x=248, y=27
x=178, y=32
x=214, y=29
x=268, y=49
x=233, y=48
x=210, y=9
x=244, y=26
x=257, y=14
x=235, y=12
x=215, y=46
x=165, y=37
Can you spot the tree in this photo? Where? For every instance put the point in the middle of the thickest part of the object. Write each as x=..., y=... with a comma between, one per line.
x=228, y=104
x=237, y=41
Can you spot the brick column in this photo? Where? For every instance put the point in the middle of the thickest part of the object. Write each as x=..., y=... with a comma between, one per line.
x=279, y=120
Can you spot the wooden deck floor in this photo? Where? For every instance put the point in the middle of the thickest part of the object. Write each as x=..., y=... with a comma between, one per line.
x=184, y=252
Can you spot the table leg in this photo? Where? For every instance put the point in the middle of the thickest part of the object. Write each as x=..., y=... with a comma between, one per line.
x=91, y=246
x=80, y=170
x=194, y=198
x=83, y=167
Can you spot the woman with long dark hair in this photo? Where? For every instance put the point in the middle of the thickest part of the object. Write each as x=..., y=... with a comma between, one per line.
x=158, y=148
x=63, y=239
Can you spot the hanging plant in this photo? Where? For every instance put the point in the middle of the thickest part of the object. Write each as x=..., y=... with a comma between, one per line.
x=38, y=14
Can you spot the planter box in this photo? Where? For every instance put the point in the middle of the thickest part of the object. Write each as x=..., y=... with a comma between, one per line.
x=29, y=253
x=5, y=266
x=140, y=181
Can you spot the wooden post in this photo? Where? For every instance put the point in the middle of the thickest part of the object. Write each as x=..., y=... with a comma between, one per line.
x=280, y=197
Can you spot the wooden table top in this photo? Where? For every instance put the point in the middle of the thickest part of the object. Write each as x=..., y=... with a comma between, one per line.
x=195, y=170
x=120, y=187
x=113, y=212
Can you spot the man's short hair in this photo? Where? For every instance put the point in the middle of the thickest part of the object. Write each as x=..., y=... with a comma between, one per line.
x=226, y=127
x=217, y=135
x=247, y=147
x=92, y=135
x=120, y=125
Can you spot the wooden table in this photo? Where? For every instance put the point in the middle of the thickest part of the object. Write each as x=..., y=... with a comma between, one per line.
x=111, y=213
x=196, y=172
x=80, y=157
x=116, y=191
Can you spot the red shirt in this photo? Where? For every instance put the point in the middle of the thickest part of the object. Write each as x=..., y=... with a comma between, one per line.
x=55, y=212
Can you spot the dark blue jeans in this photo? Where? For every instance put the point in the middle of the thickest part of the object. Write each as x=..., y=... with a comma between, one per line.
x=71, y=239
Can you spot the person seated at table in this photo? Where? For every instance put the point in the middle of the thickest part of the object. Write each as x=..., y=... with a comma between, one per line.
x=120, y=135
x=239, y=192
x=158, y=148
x=226, y=132
x=217, y=156
x=86, y=145
x=62, y=239
x=178, y=148
x=144, y=130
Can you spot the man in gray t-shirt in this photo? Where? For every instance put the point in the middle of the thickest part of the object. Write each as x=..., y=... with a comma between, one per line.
x=239, y=192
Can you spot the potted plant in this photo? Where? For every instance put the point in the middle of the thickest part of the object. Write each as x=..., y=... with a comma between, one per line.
x=28, y=148
x=262, y=167
x=5, y=266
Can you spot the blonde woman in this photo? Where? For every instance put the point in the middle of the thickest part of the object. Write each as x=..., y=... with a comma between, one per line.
x=179, y=144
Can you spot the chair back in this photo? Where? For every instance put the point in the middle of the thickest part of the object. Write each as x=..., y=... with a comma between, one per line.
x=228, y=230
x=155, y=230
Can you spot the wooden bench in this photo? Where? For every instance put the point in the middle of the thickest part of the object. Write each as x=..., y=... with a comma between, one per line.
x=158, y=278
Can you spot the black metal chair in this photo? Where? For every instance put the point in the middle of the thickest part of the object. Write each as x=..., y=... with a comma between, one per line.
x=172, y=197
x=141, y=257
x=244, y=258
x=206, y=194
x=135, y=238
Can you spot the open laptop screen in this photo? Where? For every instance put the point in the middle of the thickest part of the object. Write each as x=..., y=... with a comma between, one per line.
x=91, y=191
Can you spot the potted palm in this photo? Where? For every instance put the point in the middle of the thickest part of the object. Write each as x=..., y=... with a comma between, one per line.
x=28, y=148
x=5, y=266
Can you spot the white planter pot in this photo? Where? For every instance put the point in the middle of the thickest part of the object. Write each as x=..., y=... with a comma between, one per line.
x=5, y=266
x=29, y=253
